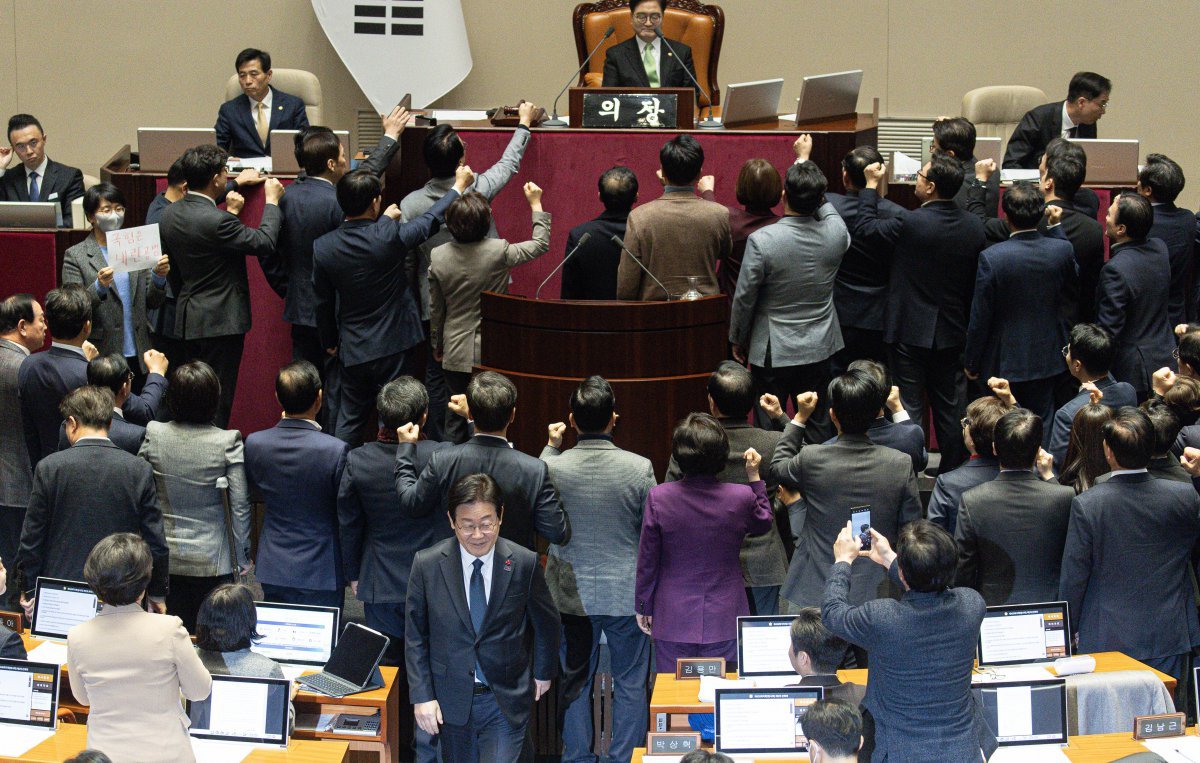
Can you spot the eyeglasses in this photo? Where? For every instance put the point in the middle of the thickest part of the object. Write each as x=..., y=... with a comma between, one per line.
x=1066, y=350
x=643, y=18
x=966, y=422
x=923, y=176
x=487, y=528
x=1175, y=353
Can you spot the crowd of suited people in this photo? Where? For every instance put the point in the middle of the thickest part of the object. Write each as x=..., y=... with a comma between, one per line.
x=1063, y=388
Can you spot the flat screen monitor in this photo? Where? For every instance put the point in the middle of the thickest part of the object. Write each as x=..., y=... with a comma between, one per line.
x=159, y=147
x=241, y=709
x=28, y=694
x=1025, y=712
x=763, y=721
x=60, y=605
x=763, y=642
x=1025, y=633
x=283, y=150
x=296, y=634
x=825, y=96
x=29, y=214
x=748, y=102
x=1110, y=162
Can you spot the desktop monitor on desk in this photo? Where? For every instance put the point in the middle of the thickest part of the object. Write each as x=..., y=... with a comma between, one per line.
x=1110, y=162
x=1025, y=712
x=751, y=102
x=763, y=642
x=60, y=605
x=159, y=147
x=30, y=214
x=296, y=634
x=826, y=96
x=242, y=709
x=763, y=722
x=1013, y=634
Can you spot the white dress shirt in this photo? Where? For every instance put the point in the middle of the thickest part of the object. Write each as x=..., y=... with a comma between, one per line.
x=1067, y=124
x=209, y=199
x=41, y=177
x=266, y=101
x=468, y=565
x=1115, y=472
x=70, y=347
x=657, y=46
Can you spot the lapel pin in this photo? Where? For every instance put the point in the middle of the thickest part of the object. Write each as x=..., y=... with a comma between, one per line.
x=508, y=565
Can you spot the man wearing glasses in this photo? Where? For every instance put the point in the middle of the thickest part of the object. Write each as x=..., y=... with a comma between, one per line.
x=37, y=177
x=643, y=60
x=1076, y=117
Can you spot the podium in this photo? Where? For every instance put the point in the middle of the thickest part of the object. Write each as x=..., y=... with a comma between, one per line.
x=657, y=356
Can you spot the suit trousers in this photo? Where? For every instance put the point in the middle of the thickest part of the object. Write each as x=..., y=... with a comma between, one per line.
x=860, y=344
x=1038, y=396
x=187, y=593
x=224, y=354
x=439, y=393
x=934, y=377
x=486, y=737
x=357, y=386
x=12, y=518
x=629, y=652
x=388, y=618
x=1179, y=667
x=457, y=430
x=785, y=383
x=306, y=345
x=311, y=596
x=764, y=600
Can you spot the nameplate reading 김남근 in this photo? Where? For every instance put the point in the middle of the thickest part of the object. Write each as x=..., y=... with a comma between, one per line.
x=631, y=110
x=132, y=249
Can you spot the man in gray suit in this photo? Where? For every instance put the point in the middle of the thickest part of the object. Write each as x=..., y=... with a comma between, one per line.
x=783, y=319
x=763, y=557
x=603, y=490
x=22, y=331
x=1011, y=531
x=444, y=152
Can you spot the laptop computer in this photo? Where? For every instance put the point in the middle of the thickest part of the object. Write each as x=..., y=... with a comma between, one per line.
x=1110, y=162
x=28, y=704
x=1014, y=634
x=825, y=96
x=159, y=147
x=283, y=150
x=1025, y=716
x=241, y=709
x=354, y=665
x=763, y=642
x=985, y=148
x=763, y=723
x=30, y=214
x=297, y=636
x=60, y=605
x=748, y=102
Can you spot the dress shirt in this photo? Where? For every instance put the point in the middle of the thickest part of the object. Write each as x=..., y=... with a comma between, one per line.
x=19, y=347
x=1067, y=124
x=70, y=347
x=266, y=101
x=468, y=564
x=657, y=46
x=98, y=438
x=210, y=199
x=41, y=177
x=504, y=440
x=1115, y=472
x=309, y=421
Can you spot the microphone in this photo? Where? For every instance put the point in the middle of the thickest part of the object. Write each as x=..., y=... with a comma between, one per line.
x=582, y=240
x=704, y=124
x=621, y=243
x=554, y=121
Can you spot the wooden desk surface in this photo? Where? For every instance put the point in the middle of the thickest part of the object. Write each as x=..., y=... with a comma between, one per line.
x=71, y=739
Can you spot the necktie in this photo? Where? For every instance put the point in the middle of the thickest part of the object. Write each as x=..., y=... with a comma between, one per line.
x=478, y=610
x=34, y=191
x=264, y=123
x=651, y=66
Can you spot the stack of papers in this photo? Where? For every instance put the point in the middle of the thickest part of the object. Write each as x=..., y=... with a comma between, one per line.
x=49, y=651
x=1176, y=749
x=904, y=167
x=16, y=740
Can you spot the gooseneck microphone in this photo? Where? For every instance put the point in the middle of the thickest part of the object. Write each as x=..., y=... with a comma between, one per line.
x=621, y=243
x=554, y=121
x=582, y=240
x=705, y=124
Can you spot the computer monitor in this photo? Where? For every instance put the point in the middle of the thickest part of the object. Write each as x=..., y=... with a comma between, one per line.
x=60, y=605
x=296, y=634
x=241, y=709
x=28, y=694
x=159, y=147
x=283, y=150
x=1110, y=162
x=30, y=214
x=748, y=102
x=825, y=96
x=1025, y=712
x=756, y=722
x=1025, y=633
x=763, y=642
x=985, y=148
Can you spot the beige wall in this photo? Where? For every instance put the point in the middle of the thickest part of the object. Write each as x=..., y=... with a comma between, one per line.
x=165, y=63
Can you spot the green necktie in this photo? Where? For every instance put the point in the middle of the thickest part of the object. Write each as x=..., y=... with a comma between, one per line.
x=651, y=67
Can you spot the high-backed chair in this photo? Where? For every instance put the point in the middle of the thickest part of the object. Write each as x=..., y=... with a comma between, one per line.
x=697, y=25
x=78, y=219
x=304, y=85
x=996, y=110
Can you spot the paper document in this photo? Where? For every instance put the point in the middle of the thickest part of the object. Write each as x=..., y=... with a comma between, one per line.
x=216, y=751
x=903, y=164
x=292, y=672
x=18, y=740
x=132, y=249
x=710, y=684
x=1014, y=711
x=1012, y=176
x=1012, y=673
x=49, y=651
x=1176, y=749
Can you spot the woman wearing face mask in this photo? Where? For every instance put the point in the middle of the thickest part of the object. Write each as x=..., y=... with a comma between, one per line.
x=119, y=319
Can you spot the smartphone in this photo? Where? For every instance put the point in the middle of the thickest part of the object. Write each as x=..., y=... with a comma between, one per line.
x=860, y=521
x=405, y=102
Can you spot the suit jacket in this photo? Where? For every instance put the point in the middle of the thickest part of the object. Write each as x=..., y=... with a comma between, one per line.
x=1128, y=530
x=530, y=501
x=861, y=289
x=603, y=490
x=16, y=472
x=949, y=487
x=11, y=645
x=237, y=131
x=675, y=236
x=364, y=304
x=623, y=66
x=833, y=479
x=1176, y=228
x=922, y=651
x=1116, y=395
x=743, y=222
x=310, y=210
x=297, y=470
x=62, y=184
x=209, y=247
x=688, y=574
x=128, y=437
x=81, y=496
x=517, y=643
x=458, y=274
x=128, y=667
x=989, y=191
x=1131, y=302
x=905, y=436
x=1037, y=128
x=81, y=264
x=932, y=273
x=1010, y=538
x=592, y=272
x=162, y=319
x=783, y=308
x=488, y=183
x=1018, y=314
x=378, y=542
x=763, y=557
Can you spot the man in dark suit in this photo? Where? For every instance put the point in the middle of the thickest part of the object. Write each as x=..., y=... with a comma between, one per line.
x=978, y=428
x=592, y=272
x=365, y=310
x=530, y=500
x=1132, y=298
x=1011, y=530
x=815, y=653
x=1133, y=522
x=956, y=136
x=898, y=432
x=932, y=278
x=478, y=595
x=1089, y=355
x=1076, y=117
x=36, y=178
x=112, y=373
x=86, y=493
x=645, y=60
x=11, y=645
x=244, y=124
x=208, y=249
x=1161, y=181
x=297, y=469
x=1163, y=465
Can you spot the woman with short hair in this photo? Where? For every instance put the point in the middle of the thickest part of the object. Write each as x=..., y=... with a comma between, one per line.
x=759, y=189
x=226, y=628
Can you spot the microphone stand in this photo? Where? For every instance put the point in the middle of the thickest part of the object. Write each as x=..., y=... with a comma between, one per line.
x=582, y=240
x=621, y=243
x=554, y=121
x=704, y=124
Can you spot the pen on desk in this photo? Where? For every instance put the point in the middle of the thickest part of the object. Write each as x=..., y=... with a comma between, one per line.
x=1181, y=754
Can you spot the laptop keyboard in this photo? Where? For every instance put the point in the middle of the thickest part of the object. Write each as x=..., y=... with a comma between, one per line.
x=326, y=684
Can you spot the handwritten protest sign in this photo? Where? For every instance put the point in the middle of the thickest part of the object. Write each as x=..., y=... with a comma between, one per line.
x=134, y=248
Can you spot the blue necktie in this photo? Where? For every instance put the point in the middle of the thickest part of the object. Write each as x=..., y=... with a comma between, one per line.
x=478, y=610
x=34, y=191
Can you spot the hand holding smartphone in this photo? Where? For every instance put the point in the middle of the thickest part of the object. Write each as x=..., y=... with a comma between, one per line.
x=860, y=520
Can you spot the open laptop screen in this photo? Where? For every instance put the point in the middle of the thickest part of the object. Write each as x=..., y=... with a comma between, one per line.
x=29, y=694
x=295, y=633
x=60, y=605
x=763, y=643
x=1025, y=633
x=1025, y=712
x=763, y=721
x=241, y=709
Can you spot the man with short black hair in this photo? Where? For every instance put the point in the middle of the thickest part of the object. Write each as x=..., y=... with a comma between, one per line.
x=592, y=272
x=956, y=136
x=244, y=124
x=816, y=653
x=643, y=60
x=834, y=729
x=112, y=372
x=1161, y=181
x=978, y=427
x=36, y=178
x=297, y=468
x=1163, y=464
x=1089, y=355
x=678, y=235
x=1076, y=117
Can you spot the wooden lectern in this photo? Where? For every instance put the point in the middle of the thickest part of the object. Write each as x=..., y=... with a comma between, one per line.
x=657, y=356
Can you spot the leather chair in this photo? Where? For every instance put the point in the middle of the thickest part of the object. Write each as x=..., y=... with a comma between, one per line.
x=697, y=25
x=996, y=110
x=78, y=220
x=304, y=85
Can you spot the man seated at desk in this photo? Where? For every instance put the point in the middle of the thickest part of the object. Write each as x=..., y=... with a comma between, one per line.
x=244, y=124
x=1076, y=117
x=36, y=178
x=644, y=60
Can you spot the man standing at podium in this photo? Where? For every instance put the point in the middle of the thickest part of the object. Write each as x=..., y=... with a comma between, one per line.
x=643, y=60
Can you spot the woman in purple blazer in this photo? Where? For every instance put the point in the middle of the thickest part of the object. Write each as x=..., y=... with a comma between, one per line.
x=689, y=580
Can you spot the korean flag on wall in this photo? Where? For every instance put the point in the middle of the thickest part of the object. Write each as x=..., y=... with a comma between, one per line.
x=393, y=47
